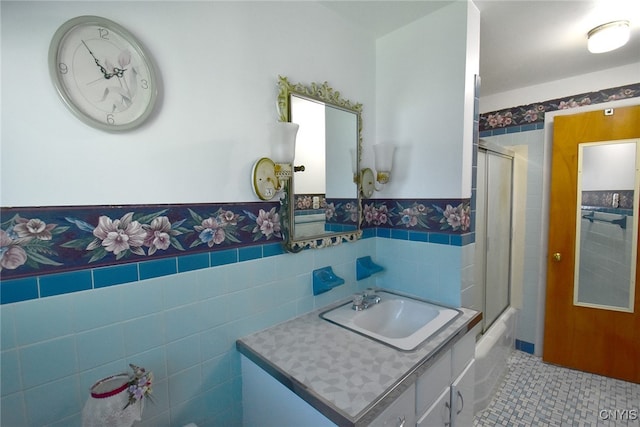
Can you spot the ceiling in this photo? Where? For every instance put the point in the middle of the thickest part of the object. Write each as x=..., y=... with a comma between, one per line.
x=522, y=42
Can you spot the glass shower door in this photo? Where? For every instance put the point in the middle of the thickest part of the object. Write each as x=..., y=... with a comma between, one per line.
x=493, y=233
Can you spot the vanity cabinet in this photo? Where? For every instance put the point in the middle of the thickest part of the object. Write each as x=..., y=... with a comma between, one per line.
x=401, y=413
x=439, y=414
x=445, y=392
x=462, y=397
x=442, y=413
x=304, y=372
x=441, y=396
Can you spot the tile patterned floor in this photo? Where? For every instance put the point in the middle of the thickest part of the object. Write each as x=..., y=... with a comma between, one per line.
x=536, y=394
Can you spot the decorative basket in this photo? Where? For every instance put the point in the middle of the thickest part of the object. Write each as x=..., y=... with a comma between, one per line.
x=109, y=405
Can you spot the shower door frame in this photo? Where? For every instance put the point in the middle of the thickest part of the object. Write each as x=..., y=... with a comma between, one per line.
x=491, y=149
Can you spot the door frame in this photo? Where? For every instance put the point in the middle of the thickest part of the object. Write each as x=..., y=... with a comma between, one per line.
x=546, y=190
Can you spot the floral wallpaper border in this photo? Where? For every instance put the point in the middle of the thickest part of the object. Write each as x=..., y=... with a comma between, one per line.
x=447, y=216
x=42, y=240
x=336, y=210
x=36, y=241
x=534, y=113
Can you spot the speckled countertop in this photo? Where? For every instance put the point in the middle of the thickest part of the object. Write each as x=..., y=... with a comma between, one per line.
x=347, y=377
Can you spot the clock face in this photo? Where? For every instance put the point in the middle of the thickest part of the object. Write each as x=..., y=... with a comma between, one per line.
x=102, y=73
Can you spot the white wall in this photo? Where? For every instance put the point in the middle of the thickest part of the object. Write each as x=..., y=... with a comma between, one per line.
x=424, y=100
x=424, y=105
x=218, y=62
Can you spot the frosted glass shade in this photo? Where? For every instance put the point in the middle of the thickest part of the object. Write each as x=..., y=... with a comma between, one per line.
x=384, y=157
x=282, y=139
x=607, y=37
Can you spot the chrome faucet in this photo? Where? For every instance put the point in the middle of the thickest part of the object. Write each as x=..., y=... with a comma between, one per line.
x=362, y=301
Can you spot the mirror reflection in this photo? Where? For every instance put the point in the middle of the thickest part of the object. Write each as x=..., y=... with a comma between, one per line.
x=606, y=226
x=323, y=201
x=323, y=162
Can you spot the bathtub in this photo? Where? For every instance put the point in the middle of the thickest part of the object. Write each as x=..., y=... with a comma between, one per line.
x=492, y=351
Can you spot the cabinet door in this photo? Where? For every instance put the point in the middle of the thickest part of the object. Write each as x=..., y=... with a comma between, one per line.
x=439, y=414
x=430, y=384
x=401, y=413
x=462, y=397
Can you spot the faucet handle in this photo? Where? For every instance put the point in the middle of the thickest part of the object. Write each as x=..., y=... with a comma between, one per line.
x=371, y=296
x=358, y=302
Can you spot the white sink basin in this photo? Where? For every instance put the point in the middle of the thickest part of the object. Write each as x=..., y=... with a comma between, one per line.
x=399, y=321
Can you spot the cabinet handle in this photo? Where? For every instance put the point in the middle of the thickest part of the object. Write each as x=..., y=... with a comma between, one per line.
x=401, y=421
x=446, y=405
x=461, y=400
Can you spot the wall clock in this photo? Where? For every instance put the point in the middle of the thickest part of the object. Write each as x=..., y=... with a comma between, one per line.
x=102, y=73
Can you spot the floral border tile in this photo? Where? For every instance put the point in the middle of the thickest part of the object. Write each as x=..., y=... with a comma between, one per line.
x=342, y=211
x=534, y=113
x=305, y=201
x=35, y=241
x=447, y=216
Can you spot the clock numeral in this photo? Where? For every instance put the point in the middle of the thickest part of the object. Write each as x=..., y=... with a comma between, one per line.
x=144, y=84
x=62, y=68
x=110, y=119
x=103, y=33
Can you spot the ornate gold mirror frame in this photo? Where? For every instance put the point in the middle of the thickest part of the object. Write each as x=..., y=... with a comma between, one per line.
x=321, y=93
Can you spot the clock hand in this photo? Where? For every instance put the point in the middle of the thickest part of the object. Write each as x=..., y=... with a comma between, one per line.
x=95, y=81
x=118, y=72
x=102, y=69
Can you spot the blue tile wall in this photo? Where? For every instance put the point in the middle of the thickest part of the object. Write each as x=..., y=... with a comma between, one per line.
x=527, y=347
x=19, y=290
x=115, y=275
x=181, y=326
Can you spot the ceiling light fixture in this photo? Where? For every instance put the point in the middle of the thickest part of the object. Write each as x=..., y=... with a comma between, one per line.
x=607, y=37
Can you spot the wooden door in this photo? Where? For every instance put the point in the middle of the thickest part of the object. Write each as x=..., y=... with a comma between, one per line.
x=589, y=339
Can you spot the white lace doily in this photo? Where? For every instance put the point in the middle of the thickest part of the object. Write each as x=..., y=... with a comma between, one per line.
x=106, y=404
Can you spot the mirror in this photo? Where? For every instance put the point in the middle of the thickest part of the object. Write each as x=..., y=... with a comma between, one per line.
x=322, y=205
x=607, y=224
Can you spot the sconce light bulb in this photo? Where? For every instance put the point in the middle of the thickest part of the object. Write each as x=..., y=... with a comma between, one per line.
x=384, y=161
x=383, y=177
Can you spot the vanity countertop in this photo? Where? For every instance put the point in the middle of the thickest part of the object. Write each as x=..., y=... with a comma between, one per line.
x=346, y=376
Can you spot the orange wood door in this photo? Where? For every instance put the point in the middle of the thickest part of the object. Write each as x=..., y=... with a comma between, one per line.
x=589, y=339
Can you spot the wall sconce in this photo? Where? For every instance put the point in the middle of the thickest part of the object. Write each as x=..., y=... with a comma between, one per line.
x=383, y=161
x=269, y=175
x=608, y=37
